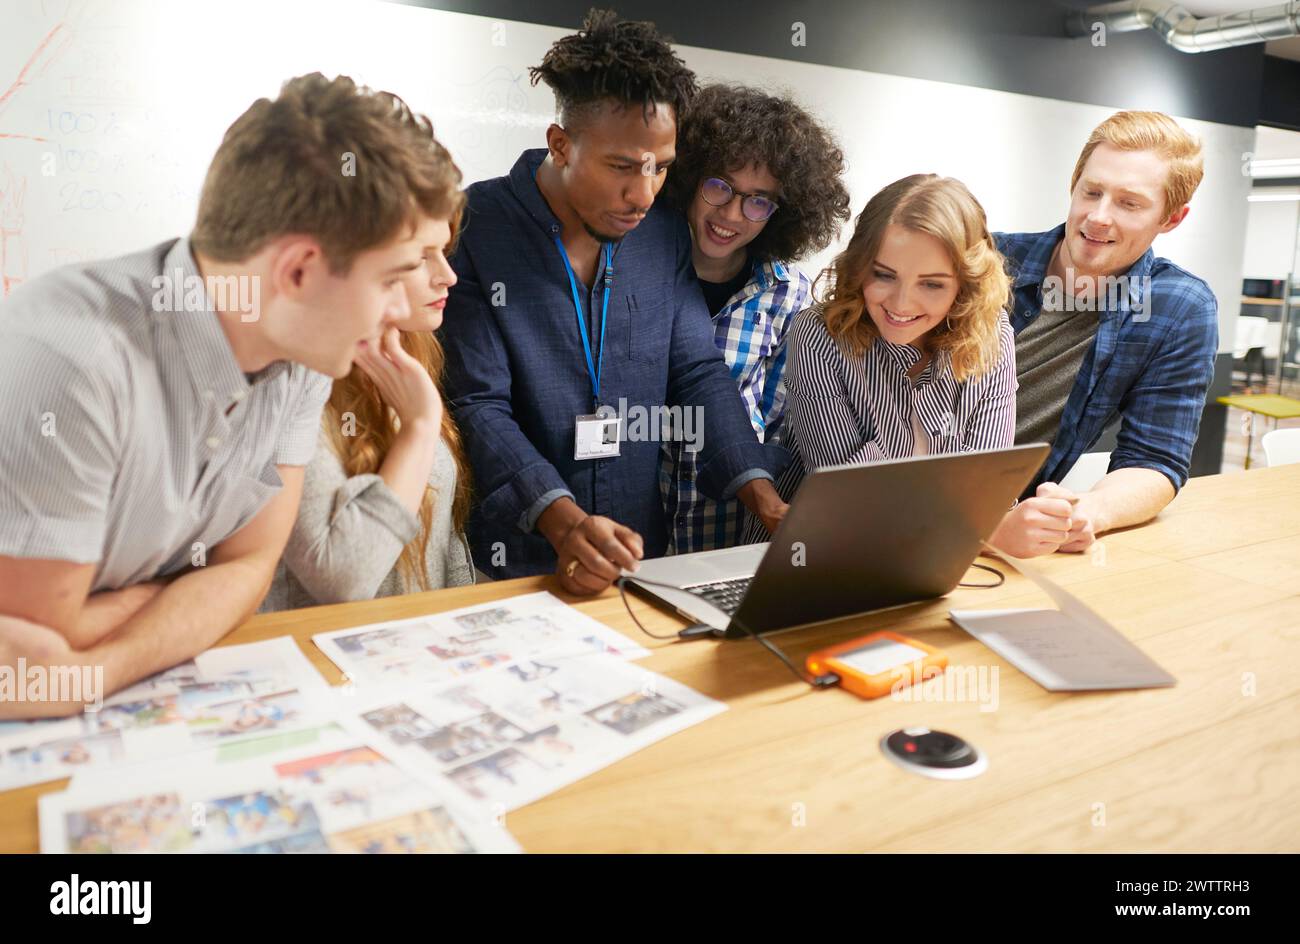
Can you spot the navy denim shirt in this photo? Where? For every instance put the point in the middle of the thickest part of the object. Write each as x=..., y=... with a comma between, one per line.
x=516, y=375
x=1151, y=362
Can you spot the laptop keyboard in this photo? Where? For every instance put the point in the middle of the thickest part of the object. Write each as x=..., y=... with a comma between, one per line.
x=724, y=594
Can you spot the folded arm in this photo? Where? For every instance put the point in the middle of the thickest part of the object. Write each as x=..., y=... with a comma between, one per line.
x=43, y=623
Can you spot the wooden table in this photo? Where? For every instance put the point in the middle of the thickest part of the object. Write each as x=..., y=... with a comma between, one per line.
x=1211, y=591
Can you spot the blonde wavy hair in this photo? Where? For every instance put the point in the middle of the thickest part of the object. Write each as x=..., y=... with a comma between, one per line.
x=374, y=428
x=945, y=209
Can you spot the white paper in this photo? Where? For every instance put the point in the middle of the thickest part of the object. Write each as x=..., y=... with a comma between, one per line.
x=1070, y=649
x=511, y=735
x=223, y=697
x=443, y=646
x=339, y=794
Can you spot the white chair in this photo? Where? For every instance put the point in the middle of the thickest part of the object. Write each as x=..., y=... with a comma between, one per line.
x=1256, y=339
x=1255, y=332
x=1089, y=469
x=1282, y=446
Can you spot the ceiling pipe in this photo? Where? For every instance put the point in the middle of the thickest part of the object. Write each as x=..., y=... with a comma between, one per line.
x=1185, y=32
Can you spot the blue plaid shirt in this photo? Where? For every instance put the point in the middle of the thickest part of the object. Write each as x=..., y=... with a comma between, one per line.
x=1151, y=361
x=750, y=331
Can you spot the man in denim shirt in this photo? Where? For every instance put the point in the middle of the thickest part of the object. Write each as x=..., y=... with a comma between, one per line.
x=1105, y=327
x=569, y=244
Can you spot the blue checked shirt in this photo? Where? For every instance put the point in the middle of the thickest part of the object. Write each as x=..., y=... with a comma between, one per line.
x=1151, y=362
x=750, y=331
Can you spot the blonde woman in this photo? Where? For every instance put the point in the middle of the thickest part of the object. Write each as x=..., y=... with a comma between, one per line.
x=909, y=352
x=386, y=496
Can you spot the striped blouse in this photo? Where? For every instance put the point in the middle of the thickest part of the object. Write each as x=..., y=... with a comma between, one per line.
x=863, y=409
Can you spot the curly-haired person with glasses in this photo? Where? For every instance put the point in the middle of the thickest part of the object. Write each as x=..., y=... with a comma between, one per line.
x=575, y=303
x=759, y=180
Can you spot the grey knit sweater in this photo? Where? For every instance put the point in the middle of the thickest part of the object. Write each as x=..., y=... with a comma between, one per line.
x=350, y=532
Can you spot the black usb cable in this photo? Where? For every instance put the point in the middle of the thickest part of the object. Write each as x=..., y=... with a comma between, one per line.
x=699, y=629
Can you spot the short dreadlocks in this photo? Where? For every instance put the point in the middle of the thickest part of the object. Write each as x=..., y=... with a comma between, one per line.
x=628, y=62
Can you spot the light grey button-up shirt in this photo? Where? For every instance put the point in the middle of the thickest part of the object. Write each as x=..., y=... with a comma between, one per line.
x=129, y=436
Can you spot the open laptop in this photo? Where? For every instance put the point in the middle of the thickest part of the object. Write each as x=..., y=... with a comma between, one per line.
x=856, y=538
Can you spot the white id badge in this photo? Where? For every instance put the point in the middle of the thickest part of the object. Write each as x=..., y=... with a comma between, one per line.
x=596, y=436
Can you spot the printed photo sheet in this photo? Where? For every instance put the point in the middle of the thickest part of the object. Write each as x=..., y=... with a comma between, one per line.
x=456, y=643
x=336, y=794
x=224, y=696
x=510, y=735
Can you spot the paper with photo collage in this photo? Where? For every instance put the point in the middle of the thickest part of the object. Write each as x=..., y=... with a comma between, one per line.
x=335, y=793
x=509, y=735
x=447, y=645
x=224, y=696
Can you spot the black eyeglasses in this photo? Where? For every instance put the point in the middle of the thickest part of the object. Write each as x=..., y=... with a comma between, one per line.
x=756, y=207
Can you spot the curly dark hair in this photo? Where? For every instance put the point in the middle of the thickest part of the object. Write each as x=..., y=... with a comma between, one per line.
x=728, y=127
x=607, y=59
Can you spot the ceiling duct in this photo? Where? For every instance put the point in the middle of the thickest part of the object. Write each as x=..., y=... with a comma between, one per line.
x=1185, y=32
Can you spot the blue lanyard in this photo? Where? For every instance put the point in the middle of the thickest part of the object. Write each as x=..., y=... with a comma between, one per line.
x=593, y=370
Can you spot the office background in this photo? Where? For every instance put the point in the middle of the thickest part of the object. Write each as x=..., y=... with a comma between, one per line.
x=111, y=110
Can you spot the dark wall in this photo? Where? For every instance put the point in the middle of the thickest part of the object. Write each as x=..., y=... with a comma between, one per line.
x=1280, y=100
x=1009, y=45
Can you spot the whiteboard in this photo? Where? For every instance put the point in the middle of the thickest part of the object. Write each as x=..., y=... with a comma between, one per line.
x=110, y=111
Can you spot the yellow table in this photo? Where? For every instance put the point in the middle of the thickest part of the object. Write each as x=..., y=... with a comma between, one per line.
x=1211, y=591
x=1266, y=404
